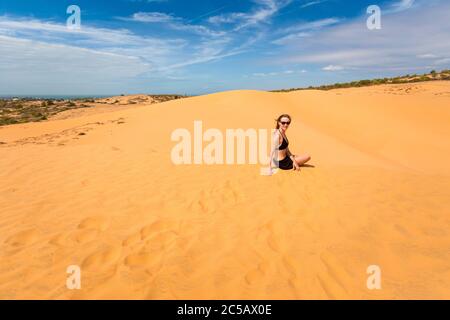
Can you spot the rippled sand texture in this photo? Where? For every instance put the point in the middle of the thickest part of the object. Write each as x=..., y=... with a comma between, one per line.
x=99, y=190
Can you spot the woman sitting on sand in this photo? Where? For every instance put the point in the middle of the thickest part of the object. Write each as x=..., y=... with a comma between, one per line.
x=286, y=160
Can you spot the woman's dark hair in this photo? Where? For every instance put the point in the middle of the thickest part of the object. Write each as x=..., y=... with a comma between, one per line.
x=281, y=117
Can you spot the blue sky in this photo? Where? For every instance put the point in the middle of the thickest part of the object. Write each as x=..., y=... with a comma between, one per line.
x=204, y=46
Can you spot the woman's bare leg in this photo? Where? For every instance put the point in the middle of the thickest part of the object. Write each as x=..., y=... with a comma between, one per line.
x=301, y=160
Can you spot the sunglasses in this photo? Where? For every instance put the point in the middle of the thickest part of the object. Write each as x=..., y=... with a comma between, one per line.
x=285, y=123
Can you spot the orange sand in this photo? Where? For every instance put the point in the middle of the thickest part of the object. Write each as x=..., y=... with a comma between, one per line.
x=99, y=190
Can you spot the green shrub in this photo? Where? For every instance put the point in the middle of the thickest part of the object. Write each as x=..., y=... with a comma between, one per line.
x=8, y=120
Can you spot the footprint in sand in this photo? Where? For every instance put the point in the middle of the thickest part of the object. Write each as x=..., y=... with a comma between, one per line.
x=229, y=191
x=23, y=238
x=61, y=239
x=161, y=241
x=202, y=205
x=273, y=243
x=103, y=259
x=158, y=232
x=88, y=230
x=257, y=274
x=97, y=223
x=85, y=235
x=289, y=264
x=143, y=260
x=400, y=229
x=132, y=240
x=156, y=227
x=272, y=239
x=118, y=121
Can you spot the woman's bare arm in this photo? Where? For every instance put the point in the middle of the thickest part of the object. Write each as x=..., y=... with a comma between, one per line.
x=274, y=147
x=292, y=156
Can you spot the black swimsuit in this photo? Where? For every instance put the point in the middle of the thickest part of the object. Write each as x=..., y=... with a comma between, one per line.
x=286, y=163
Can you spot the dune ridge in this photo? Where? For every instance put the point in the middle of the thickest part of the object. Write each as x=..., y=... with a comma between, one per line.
x=99, y=190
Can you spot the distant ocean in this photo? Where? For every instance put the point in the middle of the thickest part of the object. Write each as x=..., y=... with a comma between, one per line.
x=56, y=96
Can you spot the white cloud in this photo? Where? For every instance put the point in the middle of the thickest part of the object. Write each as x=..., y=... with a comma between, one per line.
x=31, y=49
x=43, y=30
x=227, y=18
x=302, y=30
x=427, y=56
x=290, y=38
x=333, y=68
x=262, y=14
x=42, y=67
x=442, y=61
x=312, y=3
x=338, y=56
x=172, y=22
x=402, y=43
x=313, y=25
x=152, y=17
x=401, y=5
x=275, y=73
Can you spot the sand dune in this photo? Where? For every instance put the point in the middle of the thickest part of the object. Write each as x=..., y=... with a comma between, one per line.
x=106, y=105
x=99, y=190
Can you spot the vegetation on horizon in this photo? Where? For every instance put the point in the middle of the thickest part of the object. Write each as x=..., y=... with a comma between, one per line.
x=167, y=97
x=432, y=76
x=22, y=110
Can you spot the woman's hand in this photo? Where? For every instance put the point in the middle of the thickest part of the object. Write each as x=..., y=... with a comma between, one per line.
x=296, y=166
